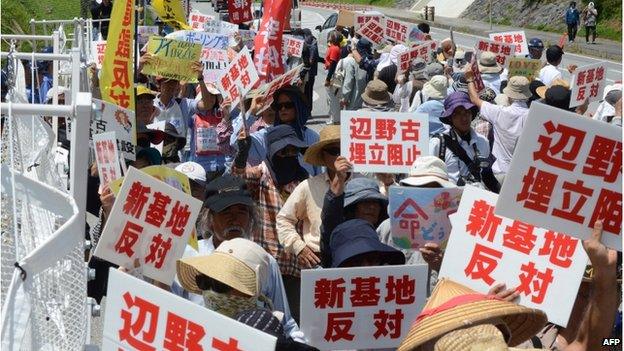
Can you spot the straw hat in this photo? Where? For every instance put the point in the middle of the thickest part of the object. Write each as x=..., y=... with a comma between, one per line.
x=328, y=135
x=453, y=306
x=477, y=338
x=488, y=64
x=376, y=93
x=541, y=91
x=223, y=265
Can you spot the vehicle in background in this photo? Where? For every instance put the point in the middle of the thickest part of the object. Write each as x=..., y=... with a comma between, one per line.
x=294, y=17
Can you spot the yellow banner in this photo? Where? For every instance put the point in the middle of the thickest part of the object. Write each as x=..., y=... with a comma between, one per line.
x=117, y=80
x=525, y=67
x=171, y=12
x=170, y=176
x=172, y=59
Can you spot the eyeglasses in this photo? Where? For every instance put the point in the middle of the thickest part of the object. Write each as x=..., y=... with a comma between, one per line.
x=278, y=106
x=333, y=151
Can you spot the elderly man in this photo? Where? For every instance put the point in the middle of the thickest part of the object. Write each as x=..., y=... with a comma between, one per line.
x=229, y=212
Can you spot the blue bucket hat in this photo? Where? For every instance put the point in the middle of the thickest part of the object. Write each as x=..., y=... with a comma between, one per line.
x=280, y=136
x=356, y=237
x=362, y=189
x=454, y=101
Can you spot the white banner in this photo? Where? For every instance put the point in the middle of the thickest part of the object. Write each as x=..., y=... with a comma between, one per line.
x=361, y=308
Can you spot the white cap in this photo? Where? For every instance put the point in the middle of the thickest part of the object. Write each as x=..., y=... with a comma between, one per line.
x=193, y=171
x=58, y=90
x=251, y=254
x=428, y=169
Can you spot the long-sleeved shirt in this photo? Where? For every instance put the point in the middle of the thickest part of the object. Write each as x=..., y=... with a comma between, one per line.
x=178, y=112
x=354, y=83
x=507, y=123
x=303, y=209
x=454, y=165
x=273, y=288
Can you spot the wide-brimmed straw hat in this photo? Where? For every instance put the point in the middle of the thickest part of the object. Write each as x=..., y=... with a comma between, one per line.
x=225, y=265
x=488, y=64
x=376, y=93
x=328, y=135
x=453, y=306
x=541, y=91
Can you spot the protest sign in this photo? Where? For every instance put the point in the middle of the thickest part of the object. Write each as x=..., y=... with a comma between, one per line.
x=98, y=48
x=220, y=27
x=171, y=12
x=361, y=308
x=206, y=40
x=172, y=59
x=266, y=92
x=292, y=46
x=360, y=19
x=215, y=62
x=423, y=51
x=474, y=68
x=588, y=82
x=268, y=42
x=517, y=38
x=239, y=77
x=503, y=51
x=421, y=215
x=525, y=67
x=105, y=146
x=373, y=31
x=396, y=30
x=150, y=222
x=145, y=32
x=141, y=316
x=197, y=20
x=387, y=142
x=568, y=175
x=546, y=267
x=346, y=18
x=415, y=35
x=116, y=81
x=239, y=11
x=108, y=117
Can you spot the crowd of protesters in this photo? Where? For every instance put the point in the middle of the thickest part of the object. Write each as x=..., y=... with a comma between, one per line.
x=279, y=197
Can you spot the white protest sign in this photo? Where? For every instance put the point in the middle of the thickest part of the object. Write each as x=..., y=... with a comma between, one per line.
x=197, y=20
x=220, y=27
x=215, y=62
x=568, y=175
x=361, y=308
x=546, y=267
x=362, y=18
x=503, y=51
x=207, y=40
x=106, y=158
x=239, y=77
x=396, y=30
x=421, y=215
x=373, y=31
x=144, y=32
x=292, y=46
x=518, y=38
x=387, y=142
x=109, y=117
x=288, y=78
x=588, y=82
x=150, y=222
x=141, y=316
x=97, y=52
x=423, y=51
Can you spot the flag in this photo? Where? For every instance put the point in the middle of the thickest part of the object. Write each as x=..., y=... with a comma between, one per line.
x=117, y=81
x=171, y=12
x=268, y=41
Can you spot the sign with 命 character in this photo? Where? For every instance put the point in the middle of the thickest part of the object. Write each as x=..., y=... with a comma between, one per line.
x=568, y=175
x=588, y=83
x=239, y=77
x=150, y=222
x=141, y=316
x=361, y=308
x=107, y=117
x=544, y=266
x=386, y=142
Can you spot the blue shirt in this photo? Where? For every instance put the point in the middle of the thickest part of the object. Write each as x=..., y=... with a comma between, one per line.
x=273, y=289
x=434, y=109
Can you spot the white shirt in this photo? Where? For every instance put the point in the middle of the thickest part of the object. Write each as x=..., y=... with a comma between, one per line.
x=454, y=165
x=507, y=124
x=492, y=81
x=548, y=74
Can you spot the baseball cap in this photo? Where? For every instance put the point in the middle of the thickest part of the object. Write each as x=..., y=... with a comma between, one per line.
x=226, y=191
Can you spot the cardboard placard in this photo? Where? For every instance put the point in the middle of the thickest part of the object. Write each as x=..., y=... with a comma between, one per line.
x=172, y=59
x=545, y=267
x=361, y=308
x=525, y=67
x=346, y=18
x=206, y=40
x=568, y=175
x=386, y=142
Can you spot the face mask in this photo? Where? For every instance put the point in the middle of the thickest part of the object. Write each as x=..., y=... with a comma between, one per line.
x=227, y=305
x=169, y=150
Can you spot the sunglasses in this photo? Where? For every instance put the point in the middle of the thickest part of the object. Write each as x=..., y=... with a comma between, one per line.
x=333, y=151
x=278, y=106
